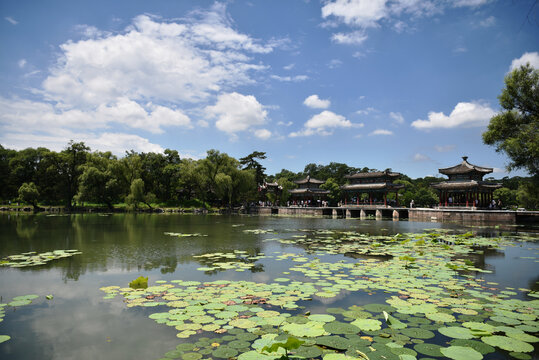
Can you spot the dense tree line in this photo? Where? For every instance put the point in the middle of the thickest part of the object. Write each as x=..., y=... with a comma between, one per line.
x=77, y=176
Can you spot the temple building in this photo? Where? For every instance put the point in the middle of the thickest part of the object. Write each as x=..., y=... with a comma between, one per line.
x=308, y=192
x=465, y=186
x=375, y=184
x=270, y=188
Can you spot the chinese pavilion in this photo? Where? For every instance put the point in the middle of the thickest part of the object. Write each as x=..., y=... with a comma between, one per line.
x=270, y=188
x=308, y=191
x=465, y=186
x=376, y=184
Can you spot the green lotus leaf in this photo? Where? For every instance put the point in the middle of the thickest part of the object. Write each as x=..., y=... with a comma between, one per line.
x=417, y=333
x=267, y=314
x=461, y=353
x=255, y=355
x=428, y=349
x=337, y=327
x=20, y=302
x=367, y=324
x=174, y=354
x=474, y=344
x=4, y=338
x=310, y=329
x=308, y=352
x=25, y=297
x=242, y=323
x=224, y=352
x=507, y=343
x=211, y=327
x=456, y=332
x=479, y=326
x=226, y=314
x=239, y=344
x=523, y=337
x=338, y=357
x=334, y=342
x=321, y=318
x=440, y=317
x=192, y=356
x=520, y=356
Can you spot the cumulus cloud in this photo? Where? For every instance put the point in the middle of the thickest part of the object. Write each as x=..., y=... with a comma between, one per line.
x=531, y=58
x=147, y=77
x=488, y=22
x=465, y=114
x=315, y=102
x=236, y=112
x=397, y=117
x=263, y=134
x=381, y=132
x=365, y=14
x=321, y=124
x=296, y=78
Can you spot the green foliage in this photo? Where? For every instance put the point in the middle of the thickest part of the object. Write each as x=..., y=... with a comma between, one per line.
x=514, y=130
x=137, y=195
x=29, y=194
x=335, y=193
x=507, y=196
x=139, y=283
x=290, y=344
x=528, y=195
x=250, y=163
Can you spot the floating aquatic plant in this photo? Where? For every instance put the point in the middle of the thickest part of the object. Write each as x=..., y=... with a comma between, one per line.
x=34, y=259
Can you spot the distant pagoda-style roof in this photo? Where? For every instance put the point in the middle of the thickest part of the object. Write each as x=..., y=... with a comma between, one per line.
x=376, y=174
x=309, y=179
x=465, y=168
x=465, y=185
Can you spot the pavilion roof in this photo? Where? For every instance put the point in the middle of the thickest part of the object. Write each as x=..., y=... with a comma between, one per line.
x=308, y=191
x=464, y=168
x=376, y=174
x=466, y=185
x=374, y=186
x=309, y=179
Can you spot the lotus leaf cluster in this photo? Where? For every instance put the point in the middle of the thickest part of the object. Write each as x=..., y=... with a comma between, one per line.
x=34, y=259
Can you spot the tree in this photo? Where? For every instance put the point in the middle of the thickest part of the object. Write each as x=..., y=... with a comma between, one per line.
x=99, y=180
x=514, y=130
x=69, y=168
x=28, y=193
x=507, y=196
x=334, y=190
x=137, y=195
x=249, y=163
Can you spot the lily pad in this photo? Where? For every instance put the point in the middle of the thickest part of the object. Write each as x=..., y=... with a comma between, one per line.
x=456, y=332
x=367, y=324
x=507, y=343
x=337, y=327
x=4, y=338
x=461, y=353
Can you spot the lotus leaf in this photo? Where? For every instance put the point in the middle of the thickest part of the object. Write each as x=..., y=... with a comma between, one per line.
x=507, y=343
x=192, y=356
x=224, y=352
x=461, y=353
x=524, y=337
x=337, y=327
x=242, y=323
x=20, y=302
x=474, y=344
x=428, y=349
x=418, y=333
x=325, y=318
x=456, y=332
x=255, y=355
x=338, y=357
x=367, y=324
x=334, y=342
x=309, y=329
x=4, y=338
x=520, y=356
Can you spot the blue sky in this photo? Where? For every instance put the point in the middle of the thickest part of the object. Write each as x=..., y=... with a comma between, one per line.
x=402, y=84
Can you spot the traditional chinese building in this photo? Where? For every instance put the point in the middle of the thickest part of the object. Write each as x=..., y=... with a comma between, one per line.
x=270, y=188
x=376, y=184
x=465, y=186
x=309, y=192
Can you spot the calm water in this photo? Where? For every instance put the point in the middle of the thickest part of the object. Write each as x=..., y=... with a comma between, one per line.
x=79, y=324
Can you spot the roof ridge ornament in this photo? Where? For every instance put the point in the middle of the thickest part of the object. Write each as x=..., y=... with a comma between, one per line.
x=465, y=158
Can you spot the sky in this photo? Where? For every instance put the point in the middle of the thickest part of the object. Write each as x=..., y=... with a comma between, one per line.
x=403, y=84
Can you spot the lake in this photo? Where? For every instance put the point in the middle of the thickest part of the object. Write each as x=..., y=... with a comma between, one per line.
x=223, y=286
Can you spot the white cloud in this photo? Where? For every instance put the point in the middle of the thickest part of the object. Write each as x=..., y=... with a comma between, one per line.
x=289, y=66
x=366, y=111
x=397, y=116
x=263, y=134
x=34, y=116
x=296, y=78
x=381, y=132
x=236, y=112
x=488, y=22
x=334, y=63
x=203, y=123
x=360, y=13
x=469, y=3
x=420, y=157
x=530, y=57
x=11, y=20
x=444, y=148
x=351, y=38
x=464, y=114
x=315, y=102
x=320, y=123
x=21, y=63
x=282, y=123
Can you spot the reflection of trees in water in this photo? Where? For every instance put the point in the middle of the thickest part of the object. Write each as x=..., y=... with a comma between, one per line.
x=534, y=284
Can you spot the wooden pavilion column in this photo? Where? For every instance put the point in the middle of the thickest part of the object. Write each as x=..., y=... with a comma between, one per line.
x=467, y=198
x=370, y=198
x=397, y=197
x=357, y=199
x=385, y=199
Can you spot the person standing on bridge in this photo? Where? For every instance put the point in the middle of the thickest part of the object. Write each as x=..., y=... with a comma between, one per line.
x=412, y=203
